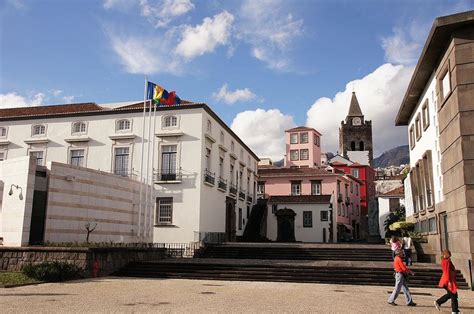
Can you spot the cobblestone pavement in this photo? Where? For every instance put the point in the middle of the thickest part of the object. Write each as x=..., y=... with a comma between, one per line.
x=201, y=296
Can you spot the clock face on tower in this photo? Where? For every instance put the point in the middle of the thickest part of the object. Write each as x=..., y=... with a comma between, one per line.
x=356, y=121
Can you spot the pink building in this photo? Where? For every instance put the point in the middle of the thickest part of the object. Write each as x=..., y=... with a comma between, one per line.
x=303, y=147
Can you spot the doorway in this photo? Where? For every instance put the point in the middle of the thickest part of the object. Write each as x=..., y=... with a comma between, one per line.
x=286, y=225
x=230, y=226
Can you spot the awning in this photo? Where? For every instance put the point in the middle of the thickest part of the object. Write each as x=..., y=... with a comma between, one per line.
x=348, y=227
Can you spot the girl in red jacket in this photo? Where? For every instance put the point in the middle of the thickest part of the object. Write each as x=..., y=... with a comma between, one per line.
x=448, y=282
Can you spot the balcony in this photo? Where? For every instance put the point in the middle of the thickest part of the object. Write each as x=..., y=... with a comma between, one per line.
x=249, y=199
x=222, y=185
x=242, y=195
x=233, y=189
x=339, y=198
x=167, y=176
x=348, y=200
x=209, y=177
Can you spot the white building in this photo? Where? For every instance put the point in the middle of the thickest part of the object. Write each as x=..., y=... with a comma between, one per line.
x=203, y=174
x=389, y=202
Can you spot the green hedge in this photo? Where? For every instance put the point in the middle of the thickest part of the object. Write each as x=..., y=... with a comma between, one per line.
x=52, y=271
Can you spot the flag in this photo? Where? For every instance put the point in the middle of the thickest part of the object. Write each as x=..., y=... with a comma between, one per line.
x=160, y=96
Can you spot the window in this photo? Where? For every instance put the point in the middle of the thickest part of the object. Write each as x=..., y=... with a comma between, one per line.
x=355, y=173
x=426, y=115
x=352, y=187
x=357, y=189
x=424, y=226
x=170, y=121
x=79, y=127
x=261, y=188
x=209, y=126
x=222, y=137
x=304, y=154
x=231, y=173
x=418, y=127
x=123, y=125
x=393, y=204
x=168, y=162
x=307, y=219
x=39, y=157
x=2, y=156
x=296, y=188
x=39, y=130
x=164, y=206
x=324, y=215
x=77, y=157
x=240, y=218
x=304, y=138
x=412, y=137
x=315, y=187
x=232, y=146
x=294, y=138
x=208, y=159
x=221, y=167
x=121, y=161
x=242, y=154
x=294, y=154
x=274, y=208
x=432, y=225
x=316, y=140
x=445, y=85
x=3, y=131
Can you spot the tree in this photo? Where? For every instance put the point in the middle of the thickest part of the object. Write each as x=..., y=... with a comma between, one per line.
x=89, y=230
x=398, y=215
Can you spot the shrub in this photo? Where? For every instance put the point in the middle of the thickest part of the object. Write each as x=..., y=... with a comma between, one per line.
x=52, y=271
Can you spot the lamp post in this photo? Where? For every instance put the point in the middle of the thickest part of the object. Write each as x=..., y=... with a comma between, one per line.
x=18, y=188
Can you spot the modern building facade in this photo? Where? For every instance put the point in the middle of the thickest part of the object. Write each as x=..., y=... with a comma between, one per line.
x=438, y=109
x=203, y=175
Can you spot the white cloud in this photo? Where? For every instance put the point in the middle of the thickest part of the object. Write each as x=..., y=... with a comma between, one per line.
x=144, y=55
x=263, y=131
x=161, y=13
x=13, y=100
x=68, y=99
x=56, y=92
x=204, y=38
x=231, y=97
x=379, y=93
x=404, y=45
x=270, y=30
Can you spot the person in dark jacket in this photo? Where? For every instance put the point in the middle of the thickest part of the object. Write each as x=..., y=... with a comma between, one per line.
x=448, y=282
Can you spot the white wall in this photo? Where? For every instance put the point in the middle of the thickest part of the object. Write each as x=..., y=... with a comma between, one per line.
x=384, y=211
x=16, y=213
x=303, y=234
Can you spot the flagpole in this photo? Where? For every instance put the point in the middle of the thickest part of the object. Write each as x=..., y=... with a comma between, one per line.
x=142, y=159
x=152, y=201
x=147, y=171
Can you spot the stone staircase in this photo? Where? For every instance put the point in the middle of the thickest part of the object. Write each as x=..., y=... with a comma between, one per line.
x=324, y=263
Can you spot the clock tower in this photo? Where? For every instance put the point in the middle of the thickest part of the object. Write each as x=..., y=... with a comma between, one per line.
x=355, y=135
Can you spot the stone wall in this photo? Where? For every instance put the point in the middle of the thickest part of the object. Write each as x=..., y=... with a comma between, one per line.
x=108, y=259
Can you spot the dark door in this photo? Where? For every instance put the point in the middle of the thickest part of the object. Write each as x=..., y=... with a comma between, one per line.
x=286, y=225
x=230, y=227
x=38, y=218
x=444, y=231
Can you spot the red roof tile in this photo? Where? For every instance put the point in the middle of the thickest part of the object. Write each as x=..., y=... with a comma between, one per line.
x=400, y=191
x=49, y=110
x=302, y=128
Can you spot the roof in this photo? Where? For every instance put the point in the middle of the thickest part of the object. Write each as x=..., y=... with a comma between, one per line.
x=93, y=109
x=433, y=50
x=300, y=199
x=400, y=191
x=354, y=108
x=292, y=172
x=302, y=128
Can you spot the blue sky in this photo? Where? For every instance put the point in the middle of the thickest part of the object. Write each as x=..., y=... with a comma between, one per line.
x=262, y=66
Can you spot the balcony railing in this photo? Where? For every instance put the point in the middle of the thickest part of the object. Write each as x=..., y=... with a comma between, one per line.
x=241, y=194
x=222, y=184
x=166, y=175
x=209, y=177
x=233, y=189
x=339, y=198
x=249, y=198
x=348, y=200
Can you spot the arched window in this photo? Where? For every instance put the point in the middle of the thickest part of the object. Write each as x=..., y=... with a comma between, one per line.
x=222, y=137
x=3, y=131
x=123, y=125
x=170, y=121
x=232, y=146
x=353, y=145
x=38, y=130
x=79, y=127
x=209, y=126
x=361, y=146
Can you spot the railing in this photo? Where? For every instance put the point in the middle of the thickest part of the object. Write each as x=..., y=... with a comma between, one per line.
x=222, y=184
x=179, y=250
x=339, y=198
x=260, y=195
x=241, y=194
x=348, y=200
x=233, y=189
x=209, y=177
x=209, y=237
x=249, y=199
x=164, y=175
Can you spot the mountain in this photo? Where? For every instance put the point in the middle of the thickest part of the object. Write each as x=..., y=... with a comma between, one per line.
x=393, y=157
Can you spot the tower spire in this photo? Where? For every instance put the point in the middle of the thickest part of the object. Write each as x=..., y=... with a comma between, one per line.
x=354, y=108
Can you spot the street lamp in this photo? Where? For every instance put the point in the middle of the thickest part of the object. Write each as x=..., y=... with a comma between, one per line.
x=18, y=188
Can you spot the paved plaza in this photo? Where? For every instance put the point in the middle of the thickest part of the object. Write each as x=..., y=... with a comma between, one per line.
x=177, y=296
